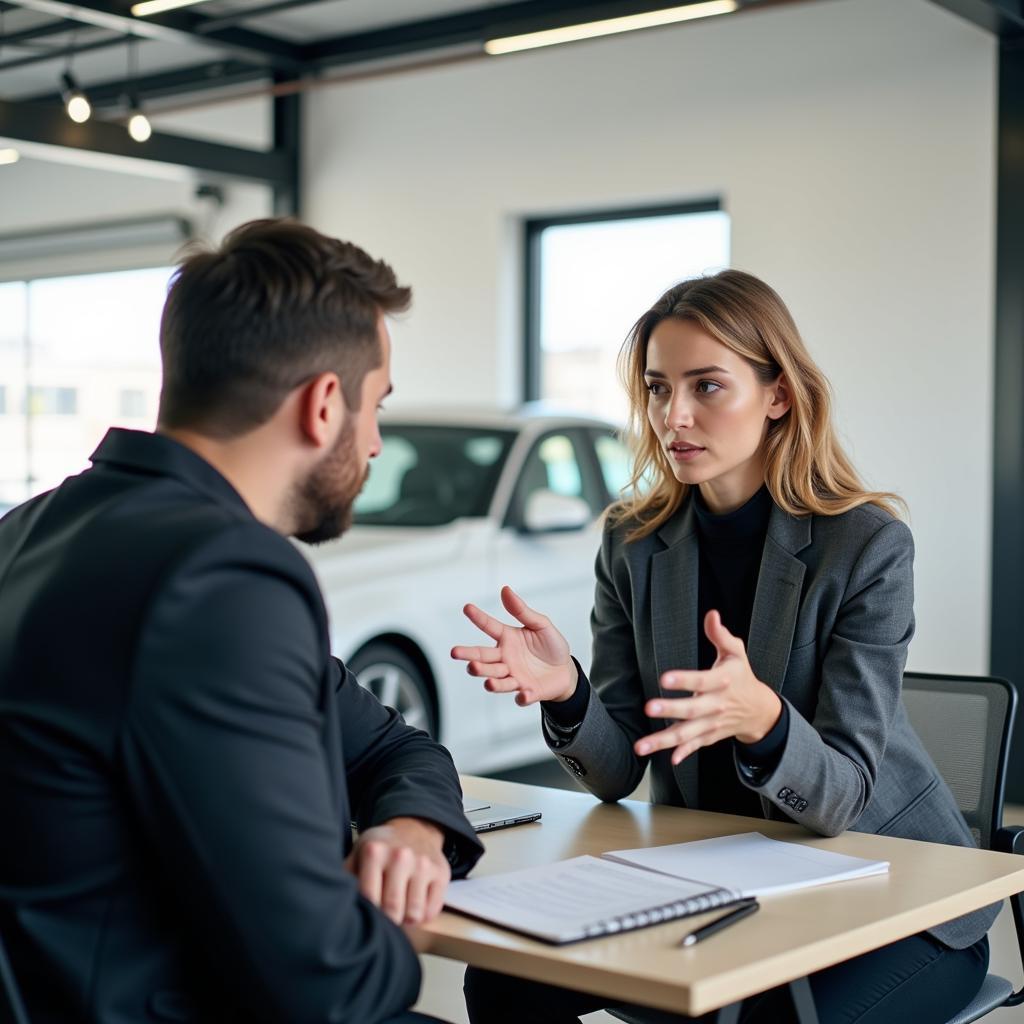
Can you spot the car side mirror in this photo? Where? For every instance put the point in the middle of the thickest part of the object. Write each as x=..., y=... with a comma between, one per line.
x=547, y=512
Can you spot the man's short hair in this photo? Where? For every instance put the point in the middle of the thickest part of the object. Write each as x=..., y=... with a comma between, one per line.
x=274, y=305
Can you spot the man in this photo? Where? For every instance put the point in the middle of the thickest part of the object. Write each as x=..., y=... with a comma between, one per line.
x=181, y=755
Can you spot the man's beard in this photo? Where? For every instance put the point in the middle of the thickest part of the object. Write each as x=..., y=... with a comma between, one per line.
x=325, y=498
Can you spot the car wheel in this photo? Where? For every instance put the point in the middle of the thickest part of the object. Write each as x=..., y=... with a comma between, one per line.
x=397, y=682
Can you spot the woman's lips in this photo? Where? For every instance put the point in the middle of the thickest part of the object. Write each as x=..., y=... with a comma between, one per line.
x=685, y=452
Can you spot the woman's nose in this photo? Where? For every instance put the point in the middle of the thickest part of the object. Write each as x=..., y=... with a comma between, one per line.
x=679, y=414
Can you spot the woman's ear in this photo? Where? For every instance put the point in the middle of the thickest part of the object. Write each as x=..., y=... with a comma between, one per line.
x=780, y=400
x=321, y=409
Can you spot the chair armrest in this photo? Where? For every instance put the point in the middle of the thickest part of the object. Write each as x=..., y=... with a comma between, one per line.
x=1010, y=839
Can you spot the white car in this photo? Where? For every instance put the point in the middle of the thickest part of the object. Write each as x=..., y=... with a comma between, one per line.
x=458, y=504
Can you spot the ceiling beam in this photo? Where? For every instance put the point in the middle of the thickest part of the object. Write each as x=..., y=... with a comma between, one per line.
x=58, y=53
x=182, y=26
x=163, y=84
x=467, y=27
x=405, y=39
x=49, y=28
x=50, y=126
x=216, y=22
x=1003, y=18
x=483, y=23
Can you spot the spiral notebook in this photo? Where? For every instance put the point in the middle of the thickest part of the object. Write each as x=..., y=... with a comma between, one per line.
x=582, y=898
x=586, y=897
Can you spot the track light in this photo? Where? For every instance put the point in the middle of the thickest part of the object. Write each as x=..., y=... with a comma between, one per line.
x=609, y=26
x=9, y=156
x=139, y=127
x=75, y=101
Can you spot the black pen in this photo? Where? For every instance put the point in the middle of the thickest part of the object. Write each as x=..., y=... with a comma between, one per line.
x=739, y=911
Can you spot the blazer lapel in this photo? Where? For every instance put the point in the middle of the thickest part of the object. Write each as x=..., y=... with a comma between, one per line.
x=777, y=598
x=674, y=625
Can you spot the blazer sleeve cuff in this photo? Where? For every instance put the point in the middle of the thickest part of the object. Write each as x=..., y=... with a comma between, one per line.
x=563, y=718
x=756, y=761
x=462, y=849
x=804, y=784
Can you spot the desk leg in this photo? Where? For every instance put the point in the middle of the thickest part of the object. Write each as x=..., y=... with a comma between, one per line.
x=803, y=1003
x=729, y=1014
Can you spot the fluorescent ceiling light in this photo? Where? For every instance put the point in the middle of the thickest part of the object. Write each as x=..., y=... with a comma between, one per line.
x=9, y=156
x=159, y=6
x=609, y=26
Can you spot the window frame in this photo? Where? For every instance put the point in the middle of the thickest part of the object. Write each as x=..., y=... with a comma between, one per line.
x=513, y=517
x=534, y=227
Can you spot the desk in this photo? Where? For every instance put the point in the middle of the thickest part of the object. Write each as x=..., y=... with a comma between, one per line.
x=792, y=936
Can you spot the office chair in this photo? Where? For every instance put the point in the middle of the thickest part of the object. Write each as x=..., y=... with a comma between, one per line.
x=12, y=1009
x=965, y=724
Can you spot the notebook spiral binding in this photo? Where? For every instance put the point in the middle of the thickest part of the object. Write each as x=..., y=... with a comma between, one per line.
x=666, y=912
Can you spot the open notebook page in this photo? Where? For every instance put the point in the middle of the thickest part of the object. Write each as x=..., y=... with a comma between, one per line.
x=580, y=898
x=750, y=863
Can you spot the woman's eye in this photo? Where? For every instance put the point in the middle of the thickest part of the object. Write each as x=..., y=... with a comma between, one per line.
x=655, y=387
x=708, y=387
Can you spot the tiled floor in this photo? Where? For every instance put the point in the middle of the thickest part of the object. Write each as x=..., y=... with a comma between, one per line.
x=442, y=979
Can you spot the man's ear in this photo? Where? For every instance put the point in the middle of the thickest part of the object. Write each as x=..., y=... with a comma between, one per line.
x=780, y=398
x=321, y=409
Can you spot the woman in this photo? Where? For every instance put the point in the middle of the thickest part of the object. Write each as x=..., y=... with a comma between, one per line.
x=753, y=608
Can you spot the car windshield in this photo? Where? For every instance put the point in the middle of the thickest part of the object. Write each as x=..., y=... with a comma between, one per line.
x=432, y=475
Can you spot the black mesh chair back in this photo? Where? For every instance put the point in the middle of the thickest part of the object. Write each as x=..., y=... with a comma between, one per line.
x=964, y=723
x=12, y=1009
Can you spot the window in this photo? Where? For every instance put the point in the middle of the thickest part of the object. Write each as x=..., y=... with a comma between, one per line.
x=429, y=475
x=52, y=401
x=589, y=277
x=133, y=404
x=77, y=355
x=616, y=462
x=554, y=465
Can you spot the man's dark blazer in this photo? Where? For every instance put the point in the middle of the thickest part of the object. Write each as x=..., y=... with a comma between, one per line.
x=182, y=758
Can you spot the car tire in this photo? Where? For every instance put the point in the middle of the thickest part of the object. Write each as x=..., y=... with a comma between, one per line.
x=397, y=682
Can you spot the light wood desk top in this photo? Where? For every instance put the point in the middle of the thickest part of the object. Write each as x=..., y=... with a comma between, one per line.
x=792, y=936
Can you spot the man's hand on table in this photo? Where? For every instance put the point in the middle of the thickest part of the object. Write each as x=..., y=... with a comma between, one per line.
x=401, y=869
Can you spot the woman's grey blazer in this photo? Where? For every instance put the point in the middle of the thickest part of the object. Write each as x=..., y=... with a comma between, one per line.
x=832, y=618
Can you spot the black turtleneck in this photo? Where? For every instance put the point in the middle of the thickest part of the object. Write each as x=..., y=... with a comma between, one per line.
x=731, y=545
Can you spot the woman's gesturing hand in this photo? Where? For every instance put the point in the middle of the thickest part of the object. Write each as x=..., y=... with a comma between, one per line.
x=532, y=659
x=728, y=700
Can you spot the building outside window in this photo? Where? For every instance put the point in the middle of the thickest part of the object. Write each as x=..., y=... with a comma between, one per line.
x=590, y=277
x=77, y=355
x=133, y=405
x=52, y=401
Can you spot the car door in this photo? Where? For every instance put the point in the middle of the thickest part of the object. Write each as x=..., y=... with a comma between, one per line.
x=553, y=570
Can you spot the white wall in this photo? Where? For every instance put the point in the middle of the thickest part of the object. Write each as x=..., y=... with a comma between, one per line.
x=852, y=143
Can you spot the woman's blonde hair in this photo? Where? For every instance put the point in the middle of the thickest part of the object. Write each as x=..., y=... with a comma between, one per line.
x=806, y=469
